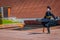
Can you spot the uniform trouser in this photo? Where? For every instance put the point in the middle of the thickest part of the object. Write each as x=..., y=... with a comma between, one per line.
x=48, y=29
x=46, y=24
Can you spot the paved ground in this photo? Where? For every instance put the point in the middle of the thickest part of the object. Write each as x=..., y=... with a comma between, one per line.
x=33, y=34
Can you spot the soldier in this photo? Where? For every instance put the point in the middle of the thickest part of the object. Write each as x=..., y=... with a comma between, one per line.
x=47, y=17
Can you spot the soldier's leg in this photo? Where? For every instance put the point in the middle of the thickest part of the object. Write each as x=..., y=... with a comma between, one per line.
x=43, y=29
x=48, y=29
x=43, y=23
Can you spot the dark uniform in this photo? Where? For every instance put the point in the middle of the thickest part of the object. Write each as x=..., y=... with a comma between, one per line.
x=46, y=20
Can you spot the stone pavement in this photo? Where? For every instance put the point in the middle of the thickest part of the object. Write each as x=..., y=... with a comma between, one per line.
x=34, y=34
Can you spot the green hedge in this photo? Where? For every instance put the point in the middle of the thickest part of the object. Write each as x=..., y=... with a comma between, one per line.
x=6, y=21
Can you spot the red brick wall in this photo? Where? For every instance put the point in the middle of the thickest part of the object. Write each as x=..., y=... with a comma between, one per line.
x=31, y=8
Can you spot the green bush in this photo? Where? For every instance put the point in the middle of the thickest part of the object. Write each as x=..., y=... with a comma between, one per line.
x=6, y=21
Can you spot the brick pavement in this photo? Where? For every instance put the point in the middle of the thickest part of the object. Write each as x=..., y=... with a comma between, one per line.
x=34, y=34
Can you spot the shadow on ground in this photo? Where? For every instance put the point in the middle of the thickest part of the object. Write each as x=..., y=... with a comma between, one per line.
x=29, y=27
x=35, y=33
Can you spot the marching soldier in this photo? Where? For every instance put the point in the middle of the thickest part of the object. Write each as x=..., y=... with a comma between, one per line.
x=47, y=19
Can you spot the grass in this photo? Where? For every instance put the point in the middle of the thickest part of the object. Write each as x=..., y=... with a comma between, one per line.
x=6, y=21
